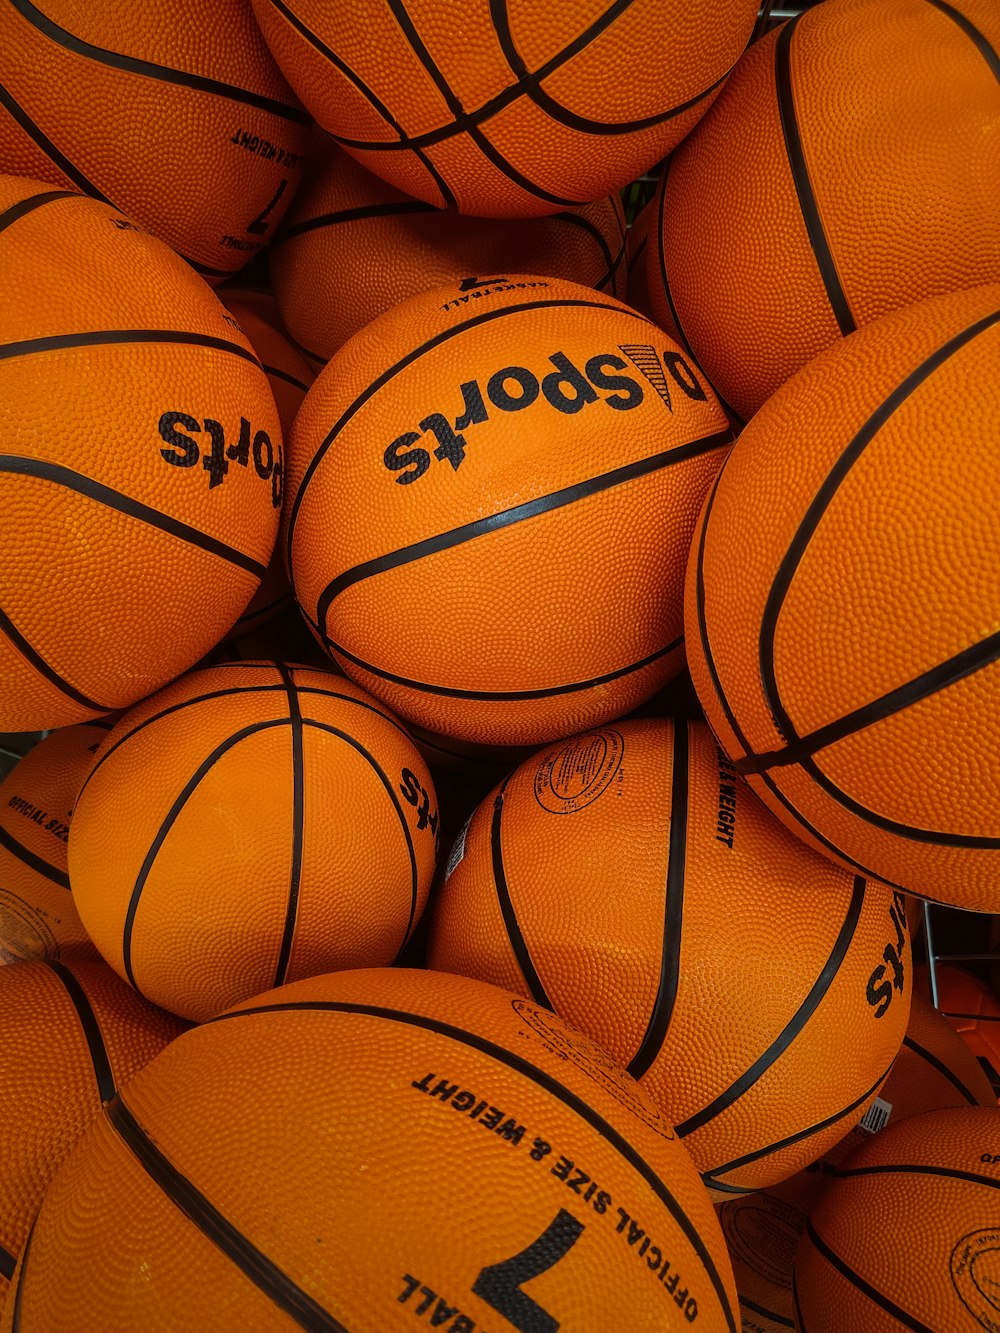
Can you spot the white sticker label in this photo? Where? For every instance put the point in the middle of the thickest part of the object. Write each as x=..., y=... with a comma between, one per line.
x=457, y=850
x=876, y=1117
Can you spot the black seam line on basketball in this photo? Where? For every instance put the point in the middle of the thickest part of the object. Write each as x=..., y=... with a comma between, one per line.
x=394, y=209
x=358, y=703
x=795, y=1024
x=99, y=1058
x=398, y=367
x=612, y=262
x=661, y=260
x=934, y=837
x=468, y=122
x=31, y=859
x=18, y=1295
x=978, y=38
x=673, y=910
x=800, y=1323
x=19, y=210
x=299, y=347
x=113, y=337
x=31, y=655
x=711, y=1177
x=377, y=105
x=942, y=1069
x=856, y=1280
x=821, y=838
x=124, y=504
x=284, y=375
x=822, y=500
x=531, y=84
x=147, y=69
x=203, y=269
x=8, y=1262
x=939, y=677
x=808, y=205
x=285, y=599
x=298, y=799
x=262, y=1271
x=167, y=824
x=548, y=692
x=497, y=103
x=505, y=518
x=174, y=708
x=636, y=254
x=527, y=1070
x=913, y=1169
x=68, y=168
x=768, y=1314
x=382, y=776
x=586, y=125
x=514, y=933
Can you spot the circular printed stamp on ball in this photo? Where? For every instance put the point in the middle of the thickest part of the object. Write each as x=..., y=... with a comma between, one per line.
x=975, y=1275
x=594, y=1062
x=572, y=777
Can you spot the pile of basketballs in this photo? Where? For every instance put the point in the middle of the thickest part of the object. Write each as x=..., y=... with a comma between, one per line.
x=500, y=538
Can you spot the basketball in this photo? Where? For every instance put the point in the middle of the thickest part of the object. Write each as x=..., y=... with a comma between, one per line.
x=512, y=110
x=38, y=918
x=178, y=117
x=505, y=1148
x=934, y=1069
x=72, y=1034
x=270, y=822
x=905, y=1235
x=352, y=247
x=849, y=167
x=971, y=1009
x=627, y=879
x=850, y=670
x=289, y=376
x=492, y=494
x=142, y=472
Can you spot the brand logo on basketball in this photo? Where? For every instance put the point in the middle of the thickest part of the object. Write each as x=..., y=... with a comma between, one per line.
x=975, y=1275
x=571, y=778
x=177, y=428
x=566, y=388
x=880, y=983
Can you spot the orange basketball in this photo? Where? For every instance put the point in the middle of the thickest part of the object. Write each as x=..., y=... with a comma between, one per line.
x=454, y=1158
x=352, y=247
x=176, y=114
x=269, y=822
x=289, y=376
x=141, y=472
x=843, y=599
x=628, y=880
x=905, y=1236
x=850, y=166
x=38, y=918
x=72, y=1033
x=507, y=110
x=492, y=496
x=972, y=1009
x=934, y=1069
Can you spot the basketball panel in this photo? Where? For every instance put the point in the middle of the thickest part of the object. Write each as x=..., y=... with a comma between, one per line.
x=359, y=885
x=911, y=521
x=590, y=612
x=729, y=184
x=920, y=136
x=191, y=951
